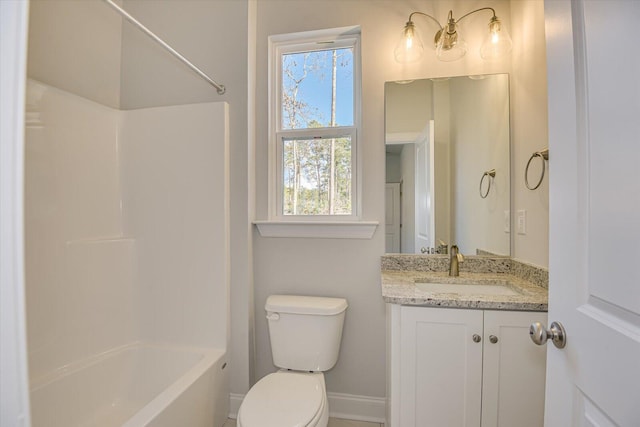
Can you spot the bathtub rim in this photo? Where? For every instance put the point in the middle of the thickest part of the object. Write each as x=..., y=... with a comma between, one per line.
x=204, y=360
x=43, y=380
x=211, y=358
x=37, y=383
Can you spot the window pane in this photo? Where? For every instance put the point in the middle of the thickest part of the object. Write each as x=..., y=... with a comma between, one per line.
x=317, y=176
x=317, y=89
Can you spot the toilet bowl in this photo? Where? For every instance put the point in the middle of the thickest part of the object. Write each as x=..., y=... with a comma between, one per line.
x=286, y=399
x=305, y=334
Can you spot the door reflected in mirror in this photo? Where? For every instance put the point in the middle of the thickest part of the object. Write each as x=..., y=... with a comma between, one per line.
x=448, y=165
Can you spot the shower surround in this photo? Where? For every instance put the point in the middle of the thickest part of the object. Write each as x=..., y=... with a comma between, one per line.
x=127, y=246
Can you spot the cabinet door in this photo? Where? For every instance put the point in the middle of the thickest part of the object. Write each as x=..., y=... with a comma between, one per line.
x=513, y=377
x=440, y=367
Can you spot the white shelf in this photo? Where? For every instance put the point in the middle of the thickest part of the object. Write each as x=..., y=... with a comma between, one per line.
x=317, y=229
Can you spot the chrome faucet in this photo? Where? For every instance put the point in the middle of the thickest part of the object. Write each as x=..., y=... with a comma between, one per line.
x=455, y=259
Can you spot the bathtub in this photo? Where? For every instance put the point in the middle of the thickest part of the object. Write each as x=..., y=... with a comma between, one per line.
x=134, y=386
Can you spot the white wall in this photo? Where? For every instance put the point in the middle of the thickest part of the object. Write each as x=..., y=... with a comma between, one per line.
x=75, y=46
x=480, y=142
x=348, y=268
x=529, y=131
x=408, y=106
x=175, y=199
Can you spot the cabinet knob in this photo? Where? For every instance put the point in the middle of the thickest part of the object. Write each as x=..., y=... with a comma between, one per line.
x=493, y=339
x=476, y=338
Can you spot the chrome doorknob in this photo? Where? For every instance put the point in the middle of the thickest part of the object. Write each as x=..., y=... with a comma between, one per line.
x=539, y=334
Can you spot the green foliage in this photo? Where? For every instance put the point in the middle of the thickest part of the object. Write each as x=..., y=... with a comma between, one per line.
x=307, y=169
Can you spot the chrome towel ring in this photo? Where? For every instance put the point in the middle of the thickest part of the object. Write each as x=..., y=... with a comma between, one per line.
x=491, y=174
x=544, y=155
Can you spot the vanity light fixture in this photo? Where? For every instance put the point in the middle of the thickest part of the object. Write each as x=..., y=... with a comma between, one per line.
x=450, y=45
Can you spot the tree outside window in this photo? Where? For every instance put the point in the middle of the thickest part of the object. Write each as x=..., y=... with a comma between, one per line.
x=316, y=130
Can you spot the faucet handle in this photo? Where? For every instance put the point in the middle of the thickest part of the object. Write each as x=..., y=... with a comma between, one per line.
x=455, y=258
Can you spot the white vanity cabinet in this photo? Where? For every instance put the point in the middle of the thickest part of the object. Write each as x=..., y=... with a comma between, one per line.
x=466, y=368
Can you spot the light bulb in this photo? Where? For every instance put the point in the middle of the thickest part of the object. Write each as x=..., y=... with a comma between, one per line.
x=409, y=47
x=497, y=42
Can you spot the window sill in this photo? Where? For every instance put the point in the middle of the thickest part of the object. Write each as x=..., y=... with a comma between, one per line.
x=317, y=229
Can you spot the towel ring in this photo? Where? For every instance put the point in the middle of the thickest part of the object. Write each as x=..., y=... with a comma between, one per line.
x=544, y=155
x=491, y=174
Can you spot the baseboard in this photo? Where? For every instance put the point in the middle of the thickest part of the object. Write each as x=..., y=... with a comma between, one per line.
x=235, y=399
x=354, y=407
x=341, y=405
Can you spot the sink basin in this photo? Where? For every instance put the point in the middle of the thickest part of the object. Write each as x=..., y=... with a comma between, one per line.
x=467, y=288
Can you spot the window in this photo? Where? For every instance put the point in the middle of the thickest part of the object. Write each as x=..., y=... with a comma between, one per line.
x=314, y=118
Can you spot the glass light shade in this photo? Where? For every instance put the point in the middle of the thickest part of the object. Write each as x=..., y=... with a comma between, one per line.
x=409, y=47
x=497, y=42
x=450, y=46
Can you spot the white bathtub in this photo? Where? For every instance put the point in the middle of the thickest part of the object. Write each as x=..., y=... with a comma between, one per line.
x=134, y=386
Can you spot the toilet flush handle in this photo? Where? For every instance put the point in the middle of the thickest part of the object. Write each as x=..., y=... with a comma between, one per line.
x=273, y=316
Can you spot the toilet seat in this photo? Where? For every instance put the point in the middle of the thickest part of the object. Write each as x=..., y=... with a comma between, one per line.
x=284, y=399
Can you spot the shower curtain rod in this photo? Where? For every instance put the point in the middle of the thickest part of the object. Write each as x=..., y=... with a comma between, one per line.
x=221, y=89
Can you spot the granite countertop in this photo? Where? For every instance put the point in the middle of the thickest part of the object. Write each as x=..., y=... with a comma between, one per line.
x=398, y=287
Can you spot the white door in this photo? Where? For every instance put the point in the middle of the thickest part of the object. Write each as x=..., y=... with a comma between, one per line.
x=424, y=186
x=392, y=218
x=593, y=59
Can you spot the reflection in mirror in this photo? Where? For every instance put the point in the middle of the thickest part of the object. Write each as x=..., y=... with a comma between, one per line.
x=448, y=163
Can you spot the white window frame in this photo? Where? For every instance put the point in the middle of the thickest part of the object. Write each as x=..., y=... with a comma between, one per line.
x=304, y=42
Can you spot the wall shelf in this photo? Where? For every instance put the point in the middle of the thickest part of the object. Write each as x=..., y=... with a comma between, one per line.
x=317, y=229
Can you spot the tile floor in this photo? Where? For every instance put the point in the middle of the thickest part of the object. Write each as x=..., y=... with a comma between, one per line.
x=333, y=422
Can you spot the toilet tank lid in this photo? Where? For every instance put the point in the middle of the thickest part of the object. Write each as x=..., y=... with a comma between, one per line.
x=295, y=304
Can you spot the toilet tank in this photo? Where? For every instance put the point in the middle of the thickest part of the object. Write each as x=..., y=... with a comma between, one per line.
x=305, y=332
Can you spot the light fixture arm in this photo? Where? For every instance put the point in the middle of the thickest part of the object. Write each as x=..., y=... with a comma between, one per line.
x=424, y=14
x=472, y=12
x=450, y=17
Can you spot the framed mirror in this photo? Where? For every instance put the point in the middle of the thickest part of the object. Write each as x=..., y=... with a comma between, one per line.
x=448, y=165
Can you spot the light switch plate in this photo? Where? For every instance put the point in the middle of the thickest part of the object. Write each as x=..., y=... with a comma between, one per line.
x=521, y=221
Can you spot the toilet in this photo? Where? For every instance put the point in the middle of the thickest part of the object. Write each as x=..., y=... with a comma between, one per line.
x=305, y=334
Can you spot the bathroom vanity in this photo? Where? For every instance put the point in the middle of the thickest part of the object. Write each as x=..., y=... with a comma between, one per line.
x=459, y=352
